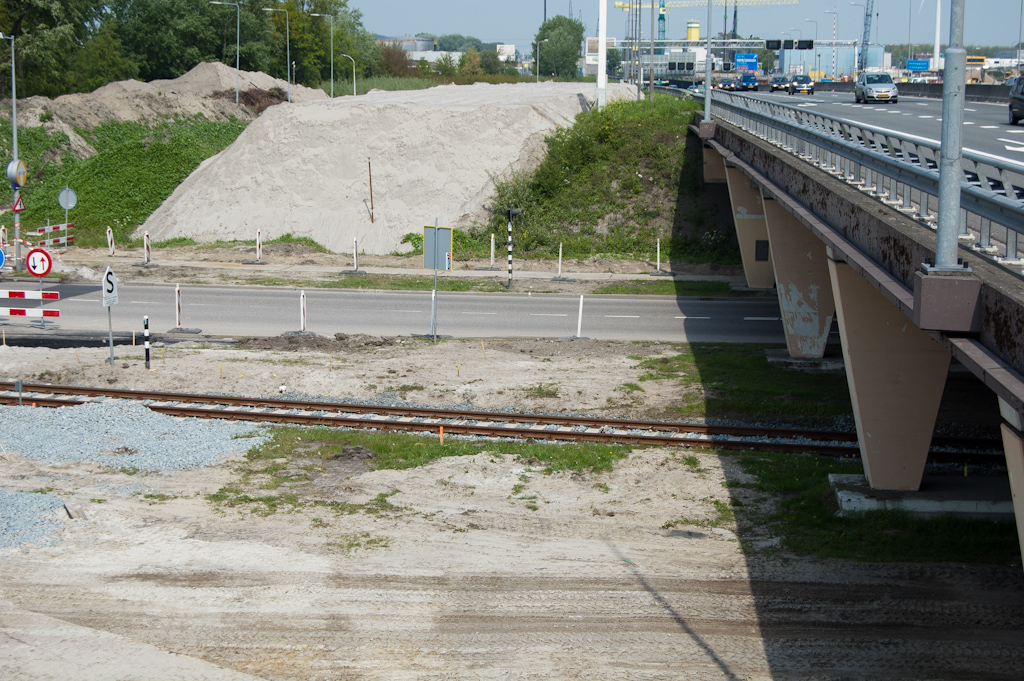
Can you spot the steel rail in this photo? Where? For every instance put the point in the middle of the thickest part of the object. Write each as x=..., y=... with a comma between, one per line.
x=473, y=423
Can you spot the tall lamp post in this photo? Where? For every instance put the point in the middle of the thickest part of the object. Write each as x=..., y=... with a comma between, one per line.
x=815, y=62
x=287, y=46
x=353, y=73
x=13, y=173
x=238, y=27
x=538, y=56
x=862, y=60
x=331, y=17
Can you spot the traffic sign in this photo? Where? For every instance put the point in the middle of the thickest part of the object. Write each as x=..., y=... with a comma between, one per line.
x=38, y=262
x=109, y=288
x=917, y=65
x=3, y=258
x=67, y=198
x=17, y=173
x=746, y=62
x=19, y=204
x=437, y=248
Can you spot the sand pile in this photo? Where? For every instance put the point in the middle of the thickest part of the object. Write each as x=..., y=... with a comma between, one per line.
x=302, y=169
x=131, y=100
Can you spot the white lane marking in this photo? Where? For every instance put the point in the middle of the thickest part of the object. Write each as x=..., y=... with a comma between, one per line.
x=622, y=316
x=990, y=127
x=926, y=116
x=541, y=314
x=974, y=110
x=685, y=317
x=1013, y=132
x=760, y=319
x=921, y=104
x=968, y=123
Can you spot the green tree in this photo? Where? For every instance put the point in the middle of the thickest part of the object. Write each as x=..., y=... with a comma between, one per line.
x=469, y=65
x=446, y=65
x=395, y=60
x=455, y=42
x=166, y=38
x=100, y=61
x=560, y=55
x=490, y=62
x=423, y=67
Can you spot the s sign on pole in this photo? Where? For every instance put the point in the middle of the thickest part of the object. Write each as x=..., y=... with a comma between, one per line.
x=109, y=300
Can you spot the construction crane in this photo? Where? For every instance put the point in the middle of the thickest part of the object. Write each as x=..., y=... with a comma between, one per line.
x=664, y=6
x=869, y=6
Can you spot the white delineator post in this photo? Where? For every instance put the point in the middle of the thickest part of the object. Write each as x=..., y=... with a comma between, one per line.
x=355, y=254
x=259, y=245
x=177, y=305
x=492, y=247
x=110, y=241
x=302, y=311
x=579, y=323
x=659, y=256
x=148, y=250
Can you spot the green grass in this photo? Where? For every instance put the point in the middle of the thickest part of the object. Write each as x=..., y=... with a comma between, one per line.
x=360, y=540
x=668, y=287
x=137, y=165
x=721, y=514
x=542, y=390
x=734, y=380
x=806, y=523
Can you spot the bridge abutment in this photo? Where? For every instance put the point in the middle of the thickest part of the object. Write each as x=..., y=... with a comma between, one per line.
x=802, y=280
x=896, y=374
x=751, y=230
x=1012, y=429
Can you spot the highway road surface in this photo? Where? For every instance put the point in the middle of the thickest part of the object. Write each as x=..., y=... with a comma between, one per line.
x=251, y=311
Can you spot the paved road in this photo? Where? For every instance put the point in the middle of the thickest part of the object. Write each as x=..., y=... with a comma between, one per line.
x=985, y=124
x=250, y=311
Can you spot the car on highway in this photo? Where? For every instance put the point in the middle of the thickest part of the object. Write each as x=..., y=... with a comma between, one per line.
x=728, y=84
x=801, y=84
x=875, y=87
x=748, y=81
x=778, y=83
x=1017, y=101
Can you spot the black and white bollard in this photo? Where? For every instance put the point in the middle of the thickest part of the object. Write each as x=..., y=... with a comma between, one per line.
x=145, y=336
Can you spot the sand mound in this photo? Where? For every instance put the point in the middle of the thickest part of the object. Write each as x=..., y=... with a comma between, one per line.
x=302, y=169
x=132, y=100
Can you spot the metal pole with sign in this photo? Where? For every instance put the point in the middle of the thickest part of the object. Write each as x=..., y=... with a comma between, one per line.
x=109, y=300
x=68, y=199
x=437, y=255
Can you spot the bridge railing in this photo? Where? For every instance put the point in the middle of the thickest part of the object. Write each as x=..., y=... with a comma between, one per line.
x=900, y=170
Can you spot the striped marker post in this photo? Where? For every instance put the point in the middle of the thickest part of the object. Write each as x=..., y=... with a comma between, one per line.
x=259, y=245
x=110, y=241
x=145, y=335
x=147, y=247
x=3, y=237
x=177, y=306
x=302, y=311
x=510, y=252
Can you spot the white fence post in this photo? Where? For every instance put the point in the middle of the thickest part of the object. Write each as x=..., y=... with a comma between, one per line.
x=579, y=324
x=177, y=303
x=302, y=311
x=110, y=241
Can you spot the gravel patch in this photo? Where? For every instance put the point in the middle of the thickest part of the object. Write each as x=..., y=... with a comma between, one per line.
x=122, y=434
x=28, y=518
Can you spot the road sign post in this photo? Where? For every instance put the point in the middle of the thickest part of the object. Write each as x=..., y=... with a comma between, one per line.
x=17, y=173
x=39, y=263
x=68, y=199
x=437, y=255
x=110, y=300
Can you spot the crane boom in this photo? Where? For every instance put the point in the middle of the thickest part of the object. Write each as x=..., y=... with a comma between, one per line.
x=869, y=6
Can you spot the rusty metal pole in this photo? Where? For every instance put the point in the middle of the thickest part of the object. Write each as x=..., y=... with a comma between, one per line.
x=369, y=168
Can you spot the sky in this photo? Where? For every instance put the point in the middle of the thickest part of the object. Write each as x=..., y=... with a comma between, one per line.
x=988, y=22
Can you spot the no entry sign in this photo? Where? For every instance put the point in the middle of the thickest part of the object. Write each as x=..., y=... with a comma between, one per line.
x=38, y=262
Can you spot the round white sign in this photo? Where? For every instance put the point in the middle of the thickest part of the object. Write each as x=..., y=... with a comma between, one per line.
x=38, y=262
x=67, y=198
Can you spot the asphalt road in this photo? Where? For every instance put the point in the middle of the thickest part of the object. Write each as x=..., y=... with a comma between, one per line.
x=985, y=128
x=248, y=311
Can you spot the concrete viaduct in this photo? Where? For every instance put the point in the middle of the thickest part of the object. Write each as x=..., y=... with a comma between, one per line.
x=833, y=250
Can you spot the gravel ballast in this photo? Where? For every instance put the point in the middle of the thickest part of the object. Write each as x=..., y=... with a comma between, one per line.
x=27, y=518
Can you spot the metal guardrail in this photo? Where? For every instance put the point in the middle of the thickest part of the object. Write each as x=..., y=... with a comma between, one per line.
x=898, y=169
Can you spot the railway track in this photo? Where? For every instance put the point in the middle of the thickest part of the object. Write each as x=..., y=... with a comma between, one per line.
x=485, y=424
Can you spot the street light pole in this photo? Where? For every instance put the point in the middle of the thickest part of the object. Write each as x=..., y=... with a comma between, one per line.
x=353, y=73
x=815, y=40
x=287, y=46
x=331, y=17
x=238, y=28
x=538, y=56
x=12, y=169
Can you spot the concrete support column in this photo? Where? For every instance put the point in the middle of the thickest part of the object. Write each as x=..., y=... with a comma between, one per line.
x=802, y=280
x=1013, y=446
x=896, y=374
x=751, y=230
x=714, y=166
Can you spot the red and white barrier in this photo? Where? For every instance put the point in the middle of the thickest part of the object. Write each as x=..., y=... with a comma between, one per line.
x=31, y=295
x=149, y=250
x=61, y=240
x=54, y=228
x=29, y=311
x=110, y=241
x=58, y=241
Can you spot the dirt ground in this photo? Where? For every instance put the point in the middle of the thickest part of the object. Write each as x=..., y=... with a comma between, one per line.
x=479, y=567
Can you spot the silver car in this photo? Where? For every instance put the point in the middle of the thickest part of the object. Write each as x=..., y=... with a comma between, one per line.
x=875, y=87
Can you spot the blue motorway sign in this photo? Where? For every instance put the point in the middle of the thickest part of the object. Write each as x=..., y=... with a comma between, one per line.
x=917, y=65
x=3, y=258
x=746, y=62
